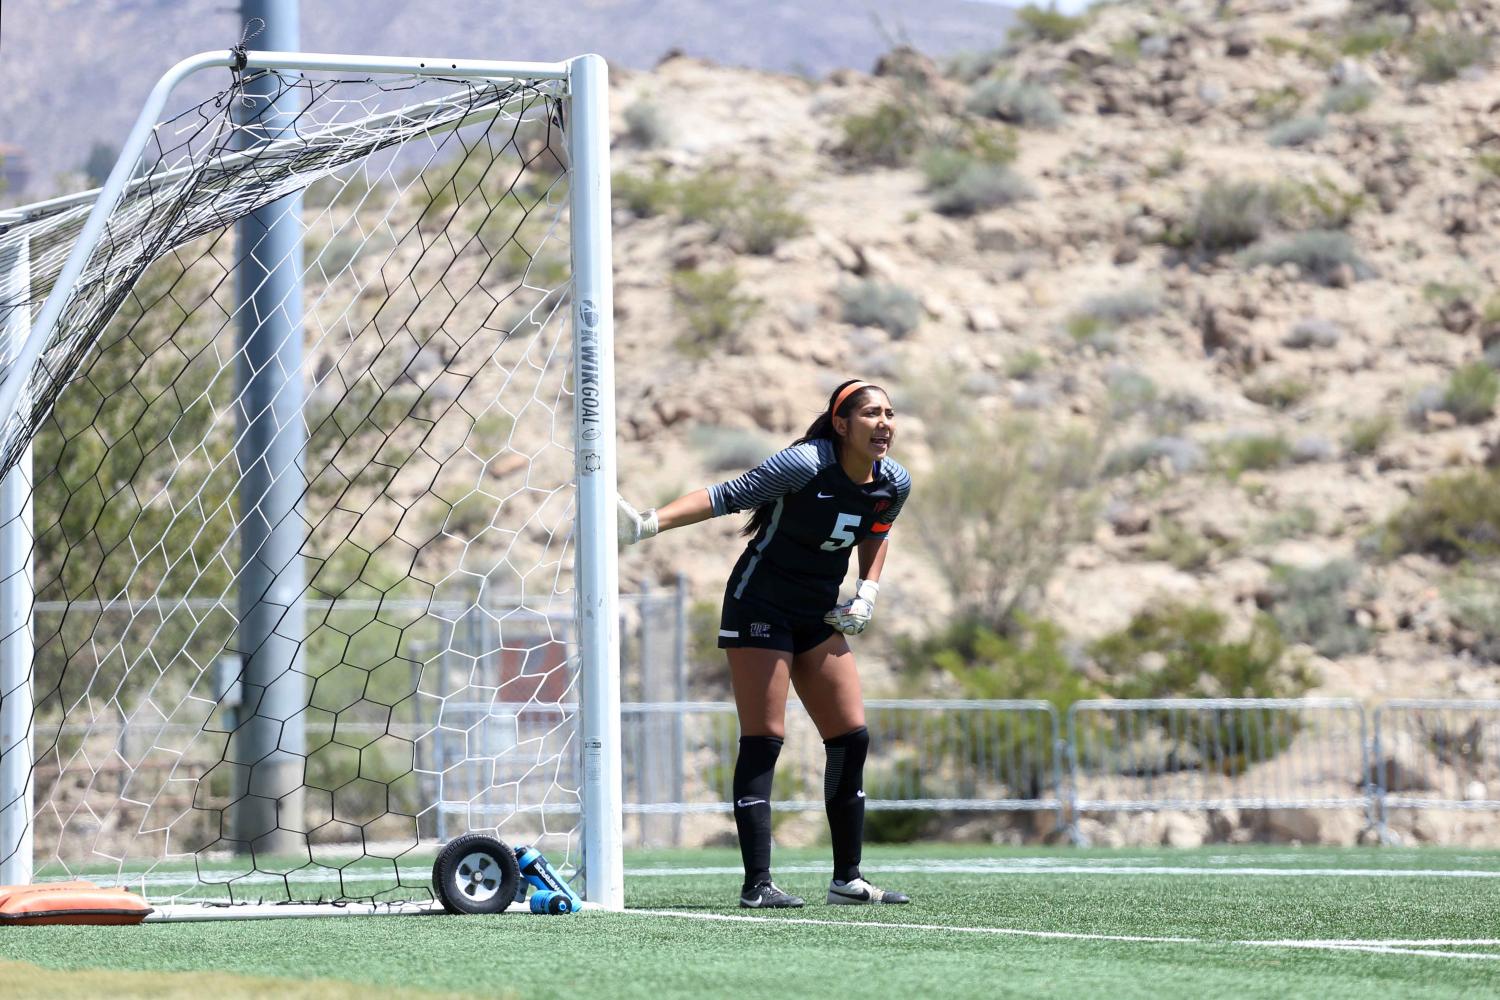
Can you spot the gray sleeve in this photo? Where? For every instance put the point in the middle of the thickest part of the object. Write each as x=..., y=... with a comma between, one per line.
x=901, y=480
x=785, y=472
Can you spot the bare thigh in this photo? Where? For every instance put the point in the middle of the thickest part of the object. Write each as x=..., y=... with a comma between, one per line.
x=828, y=684
x=759, y=679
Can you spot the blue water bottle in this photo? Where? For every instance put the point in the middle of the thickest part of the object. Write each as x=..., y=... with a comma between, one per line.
x=552, y=894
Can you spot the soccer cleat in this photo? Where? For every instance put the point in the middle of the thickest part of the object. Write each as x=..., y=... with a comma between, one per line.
x=858, y=892
x=766, y=896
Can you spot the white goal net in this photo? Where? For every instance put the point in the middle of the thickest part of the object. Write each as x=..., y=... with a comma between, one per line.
x=304, y=568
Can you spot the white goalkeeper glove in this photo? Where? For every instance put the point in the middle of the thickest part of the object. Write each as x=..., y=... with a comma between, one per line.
x=635, y=524
x=851, y=617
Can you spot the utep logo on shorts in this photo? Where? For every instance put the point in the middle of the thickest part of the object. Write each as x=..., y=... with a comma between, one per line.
x=760, y=630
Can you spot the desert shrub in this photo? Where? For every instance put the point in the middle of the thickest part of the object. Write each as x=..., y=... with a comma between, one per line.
x=1297, y=522
x=646, y=125
x=710, y=304
x=1368, y=35
x=1349, y=98
x=1318, y=253
x=876, y=303
x=976, y=186
x=1118, y=308
x=1005, y=500
x=644, y=197
x=1017, y=102
x=1025, y=365
x=1046, y=24
x=888, y=136
x=753, y=213
x=1252, y=452
x=1473, y=601
x=1130, y=391
x=1297, y=131
x=1185, y=549
x=1232, y=215
x=1442, y=55
x=1470, y=393
x=1367, y=434
x=1179, y=650
x=726, y=448
x=970, y=65
x=1279, y=393
x=1451, y=518
x=1310, y=607
x=1310, y=332
x=1179, y=455
x=1318, y=204
x=1278, y=104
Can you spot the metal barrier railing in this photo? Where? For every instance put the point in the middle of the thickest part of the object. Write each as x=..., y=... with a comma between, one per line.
x=1435, y=754
x=1217, y=753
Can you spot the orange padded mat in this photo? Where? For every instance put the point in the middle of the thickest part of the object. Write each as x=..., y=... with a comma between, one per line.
x=69, y=903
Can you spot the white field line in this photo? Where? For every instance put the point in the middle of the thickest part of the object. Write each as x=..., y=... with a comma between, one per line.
x=978, y=866
x=1368, y=947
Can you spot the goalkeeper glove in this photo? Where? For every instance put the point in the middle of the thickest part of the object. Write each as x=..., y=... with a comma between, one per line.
x=635, y=524
x=851, y=617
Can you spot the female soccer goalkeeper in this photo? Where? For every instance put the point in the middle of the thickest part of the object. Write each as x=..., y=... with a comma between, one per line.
x=832, y=490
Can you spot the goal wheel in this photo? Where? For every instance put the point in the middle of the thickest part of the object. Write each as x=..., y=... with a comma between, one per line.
x=475, y=874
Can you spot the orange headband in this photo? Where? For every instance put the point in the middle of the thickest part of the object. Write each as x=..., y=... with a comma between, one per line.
x=849, y=390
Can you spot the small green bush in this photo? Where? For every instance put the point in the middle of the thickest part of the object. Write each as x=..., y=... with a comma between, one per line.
x=1349, y=98
x=1174, y=542
x=1318, y=204
x=710, y=304
x=1127, y=306
x=1367, y=434
x=1253, y=452
x=975, y=186
x=1046, y=24
x=1279, y=393
x=1369, y=35
x=875, y=303
x=1297, y=522
x=644, y=197
x=1452, y=518
x=1297, y=131
x=888, y=136
x=1318, y=253
x=1024, y=365
x=1232, y=215
x=1279, y=104
x=1016, y=102
x=754, y=214
x=1310, y=607
x=1470, y=393
x=1442, y=55
x=646, y=125
x=1473, y=600
x=1195, y=658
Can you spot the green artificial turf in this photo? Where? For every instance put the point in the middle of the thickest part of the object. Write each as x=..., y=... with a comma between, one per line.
x=821, y=951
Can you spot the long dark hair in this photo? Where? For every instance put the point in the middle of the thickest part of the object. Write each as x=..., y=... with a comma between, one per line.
x=822, y=427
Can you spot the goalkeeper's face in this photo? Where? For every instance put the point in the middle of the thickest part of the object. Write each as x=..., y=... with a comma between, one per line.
x=871, y=430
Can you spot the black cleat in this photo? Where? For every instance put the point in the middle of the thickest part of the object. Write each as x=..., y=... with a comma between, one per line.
x=766, y=896
x=858, y=892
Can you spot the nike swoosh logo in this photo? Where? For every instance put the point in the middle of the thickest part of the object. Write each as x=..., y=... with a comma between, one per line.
x=746, y=803
x=862, y=894
x=860, y=794
x=825, y=496
x=752, y=903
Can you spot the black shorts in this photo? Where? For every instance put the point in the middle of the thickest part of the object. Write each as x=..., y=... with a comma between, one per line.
x=754, y=625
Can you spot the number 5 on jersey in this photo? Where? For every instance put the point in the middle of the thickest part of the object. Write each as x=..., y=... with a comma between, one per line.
x=843, y=533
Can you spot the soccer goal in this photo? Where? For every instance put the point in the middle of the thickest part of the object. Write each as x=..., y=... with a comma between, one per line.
x=307, y=542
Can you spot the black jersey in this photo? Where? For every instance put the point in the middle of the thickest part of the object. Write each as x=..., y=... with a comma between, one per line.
x=797, y=561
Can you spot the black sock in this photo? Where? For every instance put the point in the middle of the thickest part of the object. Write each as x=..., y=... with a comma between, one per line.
x=843, y=794
x=753, y=771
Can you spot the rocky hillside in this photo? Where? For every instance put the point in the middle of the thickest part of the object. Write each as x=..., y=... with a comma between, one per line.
x=1245, y=251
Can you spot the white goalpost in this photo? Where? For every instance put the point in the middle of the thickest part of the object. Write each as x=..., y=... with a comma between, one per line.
x=307, y=553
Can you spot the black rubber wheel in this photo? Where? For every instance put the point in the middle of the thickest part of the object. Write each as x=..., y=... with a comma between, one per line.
x=475, y=874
